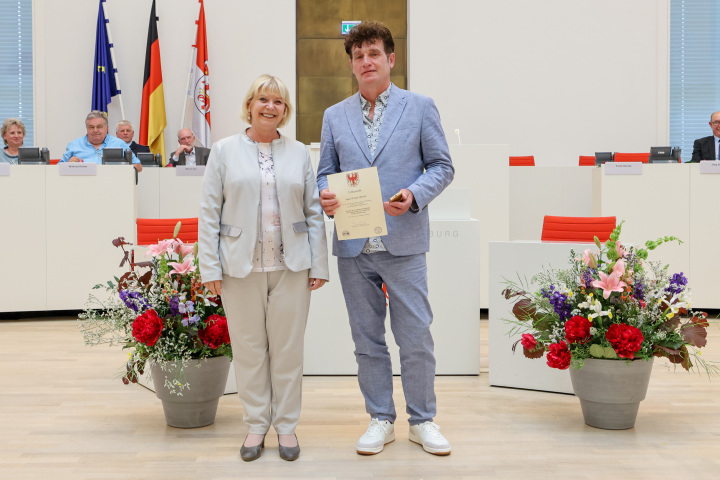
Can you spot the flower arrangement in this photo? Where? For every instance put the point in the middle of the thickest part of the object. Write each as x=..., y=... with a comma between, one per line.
x=163, y=315
x=612, y=304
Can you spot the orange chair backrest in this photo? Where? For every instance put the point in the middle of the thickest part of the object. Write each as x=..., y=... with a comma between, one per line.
x=528, y=161
x=54, y=161
x=152, y=230
x=577, y=229
x=632, y=157
x=587, y=160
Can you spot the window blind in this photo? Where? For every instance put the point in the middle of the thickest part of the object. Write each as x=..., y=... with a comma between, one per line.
x=694, y=70
x=16, y=63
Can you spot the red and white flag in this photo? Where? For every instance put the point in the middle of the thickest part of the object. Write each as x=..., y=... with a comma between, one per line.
x=199, y=87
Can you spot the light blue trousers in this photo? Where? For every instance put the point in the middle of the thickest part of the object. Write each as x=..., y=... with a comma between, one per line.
x=405, y=278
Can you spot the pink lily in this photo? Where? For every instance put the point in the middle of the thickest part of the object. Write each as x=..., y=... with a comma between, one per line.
x=161, y=247
x=619, y=268
x=609, y=283
x=620, y=249
x=181, y=268
x=186, y=250
x=589, y=259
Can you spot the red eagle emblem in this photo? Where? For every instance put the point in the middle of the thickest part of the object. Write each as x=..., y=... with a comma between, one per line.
x=353, y=179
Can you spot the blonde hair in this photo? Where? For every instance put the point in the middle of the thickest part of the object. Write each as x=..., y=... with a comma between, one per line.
x=8, y=123
x=268, y=85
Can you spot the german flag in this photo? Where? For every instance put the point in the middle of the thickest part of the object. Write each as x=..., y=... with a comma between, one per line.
x=152, y=112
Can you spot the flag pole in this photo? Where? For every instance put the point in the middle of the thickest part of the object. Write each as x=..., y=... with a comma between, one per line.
x=190, y=72
x=112, y=55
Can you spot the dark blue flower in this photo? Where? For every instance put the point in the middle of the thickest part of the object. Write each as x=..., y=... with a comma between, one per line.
x=174, y=305
x=677, y=283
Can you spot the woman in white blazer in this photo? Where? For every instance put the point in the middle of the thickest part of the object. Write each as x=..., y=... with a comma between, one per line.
x=263, y=248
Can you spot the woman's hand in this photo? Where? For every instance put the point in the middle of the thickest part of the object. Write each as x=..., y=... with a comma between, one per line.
x=215, y=286
x=316, y=283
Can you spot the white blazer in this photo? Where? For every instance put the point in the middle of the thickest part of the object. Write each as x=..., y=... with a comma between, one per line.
x=229, y=202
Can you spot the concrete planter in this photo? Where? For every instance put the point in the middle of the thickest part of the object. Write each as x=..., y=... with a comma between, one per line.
x=197, y=405
x=610, y=391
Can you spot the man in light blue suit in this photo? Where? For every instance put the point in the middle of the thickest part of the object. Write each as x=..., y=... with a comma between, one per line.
x=398, y=132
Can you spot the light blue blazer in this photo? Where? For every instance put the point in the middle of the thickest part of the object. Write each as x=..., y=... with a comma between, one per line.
x=228, y=221
x=411, y=153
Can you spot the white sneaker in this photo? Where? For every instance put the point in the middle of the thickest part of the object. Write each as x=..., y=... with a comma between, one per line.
x=378, y=433
x=428, y=435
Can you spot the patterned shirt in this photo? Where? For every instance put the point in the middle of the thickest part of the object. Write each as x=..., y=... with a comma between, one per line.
x=269, y=255
x=372, y=131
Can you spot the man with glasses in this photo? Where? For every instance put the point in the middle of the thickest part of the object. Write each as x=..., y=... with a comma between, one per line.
x=707, y=148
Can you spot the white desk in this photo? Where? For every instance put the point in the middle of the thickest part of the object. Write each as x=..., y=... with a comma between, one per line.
x=513, y=260
x=453, y=282
x=164, y=194
x=59, y=234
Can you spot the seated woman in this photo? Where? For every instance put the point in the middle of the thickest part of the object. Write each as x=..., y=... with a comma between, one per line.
x=13, y=134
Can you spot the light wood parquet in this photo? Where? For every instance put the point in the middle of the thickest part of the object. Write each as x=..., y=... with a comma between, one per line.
x=63, y=415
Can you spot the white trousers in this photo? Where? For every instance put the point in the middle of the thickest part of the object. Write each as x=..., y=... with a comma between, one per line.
x=267, y=314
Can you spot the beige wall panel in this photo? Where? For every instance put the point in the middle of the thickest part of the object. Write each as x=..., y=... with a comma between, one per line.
x=309, y=128
x=322, y=18
x=319, y=93
x=392, y=13
x=400, y=67
x=322, y=58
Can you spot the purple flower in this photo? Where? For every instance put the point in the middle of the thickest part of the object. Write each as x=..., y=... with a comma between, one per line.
x=174, y=305
x=192, y=320
x=133, y=300
x=587, y=277
x=558, y=301
x=677, y=283
x=639, y=289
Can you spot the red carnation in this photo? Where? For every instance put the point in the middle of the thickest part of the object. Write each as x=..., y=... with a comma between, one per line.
x=215, y=332
x=146, y=328
x=528, y=341
x=625, y=339
x=577, y=329
x=558, y=356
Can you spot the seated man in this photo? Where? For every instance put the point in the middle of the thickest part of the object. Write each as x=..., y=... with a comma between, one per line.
x=90, y=147
x=124, y=131
x=187, y=153
x=706, y=148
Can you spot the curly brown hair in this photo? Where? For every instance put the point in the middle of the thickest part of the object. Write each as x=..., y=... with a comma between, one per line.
x=369, y=32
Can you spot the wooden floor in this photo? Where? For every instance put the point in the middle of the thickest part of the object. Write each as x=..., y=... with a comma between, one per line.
x=64, y=416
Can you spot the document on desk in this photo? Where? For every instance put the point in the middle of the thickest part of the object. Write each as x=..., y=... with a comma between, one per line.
x=361, y=213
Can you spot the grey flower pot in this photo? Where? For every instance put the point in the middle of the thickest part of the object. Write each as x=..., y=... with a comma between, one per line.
x=197, y=405
x=610, y=391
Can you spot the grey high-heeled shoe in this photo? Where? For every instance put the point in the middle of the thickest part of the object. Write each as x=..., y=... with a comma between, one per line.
x=249, y=454
x=289, y=453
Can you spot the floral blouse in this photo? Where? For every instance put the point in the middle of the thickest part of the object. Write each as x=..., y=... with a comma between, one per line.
x=269, y=255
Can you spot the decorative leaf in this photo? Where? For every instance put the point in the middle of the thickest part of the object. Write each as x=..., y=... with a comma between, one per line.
x=508, y=293
x=609, y=352
x=597, y=351
x=671, y=324
x=675, y=356
x=537, y=352
x=694, y=334
x=524, y=310
x=145, y=278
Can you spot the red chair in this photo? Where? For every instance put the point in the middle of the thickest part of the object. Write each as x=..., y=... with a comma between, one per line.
x=632, y=157
x=587, y=161
x=152, y=230
x=54, y=161
x=577, y=229
x=528, y=161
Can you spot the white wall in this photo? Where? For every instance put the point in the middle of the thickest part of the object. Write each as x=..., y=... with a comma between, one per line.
x=552, y=78
x=245, y=39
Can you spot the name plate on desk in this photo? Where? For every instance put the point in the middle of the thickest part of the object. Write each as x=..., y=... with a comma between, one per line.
x=710, y=166
x=190, y=171
x=623, y=168
x=77, y=169
x=4, y=169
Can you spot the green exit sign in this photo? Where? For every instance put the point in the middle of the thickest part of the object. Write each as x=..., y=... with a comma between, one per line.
x=348, y=25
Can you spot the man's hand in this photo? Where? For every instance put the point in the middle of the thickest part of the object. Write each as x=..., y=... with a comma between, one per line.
x=328, y=202
x=398, y=208
x=75, y=159
x=183, y=148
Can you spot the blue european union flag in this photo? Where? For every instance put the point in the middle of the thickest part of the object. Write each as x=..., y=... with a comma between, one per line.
x=104, y=86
